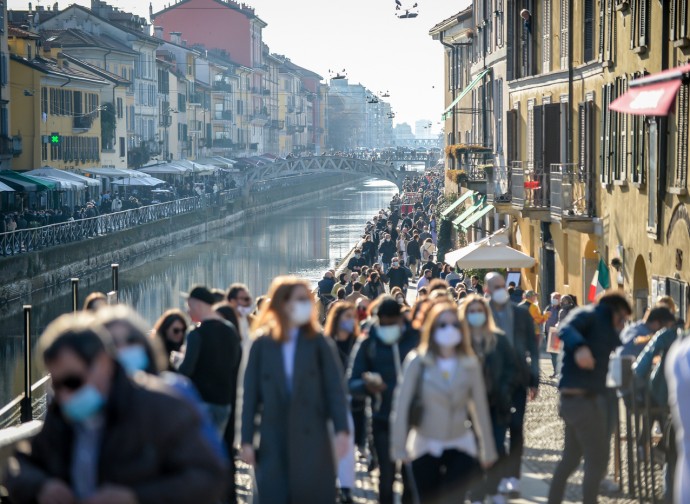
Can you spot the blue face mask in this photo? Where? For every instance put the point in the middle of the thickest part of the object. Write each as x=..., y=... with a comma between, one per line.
x=133, y=358
x=347, y=325
x=84, y=404
x=476, y=319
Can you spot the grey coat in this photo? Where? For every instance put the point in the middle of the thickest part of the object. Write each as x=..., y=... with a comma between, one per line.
x=295, y=459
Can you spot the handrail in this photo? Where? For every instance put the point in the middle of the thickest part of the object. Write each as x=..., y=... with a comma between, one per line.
x=22, y=241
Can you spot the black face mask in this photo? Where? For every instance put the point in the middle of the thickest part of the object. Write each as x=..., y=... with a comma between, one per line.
x=171, y=346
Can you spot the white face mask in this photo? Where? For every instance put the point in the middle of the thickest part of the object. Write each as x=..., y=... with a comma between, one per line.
x=555, y=302
x=448, y=336
x=389, y=334
x=300, y=312
x=245, y=311
x=500, y=296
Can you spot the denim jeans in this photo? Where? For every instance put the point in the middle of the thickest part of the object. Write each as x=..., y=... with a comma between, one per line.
x=585, y=436
x=219, y=414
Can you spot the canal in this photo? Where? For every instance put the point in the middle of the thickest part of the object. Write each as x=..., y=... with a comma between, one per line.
x=303, y=241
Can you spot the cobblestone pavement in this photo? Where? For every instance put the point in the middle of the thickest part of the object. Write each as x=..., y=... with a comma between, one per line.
x=544, y=443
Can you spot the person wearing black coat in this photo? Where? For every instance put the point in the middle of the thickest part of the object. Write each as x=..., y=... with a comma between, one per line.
x=387, y=250
x=356, y=261
x=497, y=357
x=369, y=251
x=433, y=267
x=375, y=371
x=414, y=254
x=398, y=276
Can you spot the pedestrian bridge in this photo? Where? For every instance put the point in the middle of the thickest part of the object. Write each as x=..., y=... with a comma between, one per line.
x=322, y=164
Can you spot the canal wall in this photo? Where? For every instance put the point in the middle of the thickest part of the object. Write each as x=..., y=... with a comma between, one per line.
x=52, y=268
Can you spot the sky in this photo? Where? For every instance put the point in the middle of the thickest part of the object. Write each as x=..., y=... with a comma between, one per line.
x=364, y=37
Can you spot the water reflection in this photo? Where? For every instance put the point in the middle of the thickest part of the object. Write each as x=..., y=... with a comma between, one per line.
x=302, y=241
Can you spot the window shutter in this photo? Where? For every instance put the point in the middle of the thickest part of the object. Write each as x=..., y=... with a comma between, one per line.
x=644, y=13
x=546, y=31
x=564, y=34
x=683, y=25
x=672, y=21
x=633, y=22
x=530, y=134
x=511, y=133
x=624, y=118
x=589, y=30
x=680, y=173
x=581, y=133
x=538, y=137
x=612, y=38
x=602, y=22
x=510, y=51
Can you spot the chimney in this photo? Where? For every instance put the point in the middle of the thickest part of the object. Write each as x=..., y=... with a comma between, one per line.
x=176, y=38
x=184, y=43
x=158, y=32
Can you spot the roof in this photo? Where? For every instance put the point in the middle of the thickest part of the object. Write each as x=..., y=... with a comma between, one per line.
x=451, y=21
x=79, y=38
x=228, y=4
x=14, y=31
x=292, y=67
x=95, y=70
x=50, y=67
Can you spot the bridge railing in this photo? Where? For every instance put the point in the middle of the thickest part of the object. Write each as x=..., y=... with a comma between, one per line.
x=28, y=240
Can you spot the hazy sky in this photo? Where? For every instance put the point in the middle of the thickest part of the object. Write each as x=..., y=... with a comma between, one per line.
x=362, y=36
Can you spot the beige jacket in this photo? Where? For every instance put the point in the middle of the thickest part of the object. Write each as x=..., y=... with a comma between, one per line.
x=446, y=405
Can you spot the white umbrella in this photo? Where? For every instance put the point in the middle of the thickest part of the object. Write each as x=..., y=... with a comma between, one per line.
x=486, y=254
x=139, y=182
x=53, y=173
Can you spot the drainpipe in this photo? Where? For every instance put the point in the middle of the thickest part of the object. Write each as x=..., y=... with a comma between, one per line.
x=454, y=61
x=663, y=120
x=571, y=126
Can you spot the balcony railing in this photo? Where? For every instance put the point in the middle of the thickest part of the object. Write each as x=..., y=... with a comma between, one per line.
x=572, y=194
x=499, y=185
x=222, y=115
x=39, y=238
x=82, y=122
x=517, y=177
x=275, y=124
x=222, y=86
x=224, y=143
x=533, y=183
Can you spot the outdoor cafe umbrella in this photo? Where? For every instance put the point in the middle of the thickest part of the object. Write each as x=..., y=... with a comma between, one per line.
x=487, y=254
x=139, y=182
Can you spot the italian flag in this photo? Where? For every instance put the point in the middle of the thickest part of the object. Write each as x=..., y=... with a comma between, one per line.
x=600, y=282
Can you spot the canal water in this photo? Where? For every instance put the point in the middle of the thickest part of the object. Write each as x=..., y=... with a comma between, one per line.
x=303, y=241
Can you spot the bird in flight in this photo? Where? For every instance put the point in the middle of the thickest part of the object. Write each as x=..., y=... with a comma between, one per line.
x=406, y=12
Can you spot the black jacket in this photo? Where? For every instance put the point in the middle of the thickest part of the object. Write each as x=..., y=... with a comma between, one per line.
x=374, y=356
x=524, y=344
x=414, y=250
x=355, y=264
x=397, y=277
x=388, y=250
x=435, y=271
x=499, y=376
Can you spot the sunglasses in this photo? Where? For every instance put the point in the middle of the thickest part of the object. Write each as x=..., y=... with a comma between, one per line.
x=177, y=330
x=69, y=382
x=246, y=299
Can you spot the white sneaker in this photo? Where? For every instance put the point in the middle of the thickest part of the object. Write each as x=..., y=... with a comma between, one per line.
x=513, y=487
x=498, y=499
x=503, y=486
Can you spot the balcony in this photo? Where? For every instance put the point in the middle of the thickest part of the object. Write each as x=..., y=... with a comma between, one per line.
x=531, y=190
x=475, y=178
x=10, y=146
x=572, y=197
x=499, y=186
x=82, y=122
x=223, y=87
x=266, y=92
x=223, y=143
x=279, y=125
x=222, y=115
x=260, y=118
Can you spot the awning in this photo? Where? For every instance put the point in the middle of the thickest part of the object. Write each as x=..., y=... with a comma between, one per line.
x=653, y=95
x=464, y=215
x=457, y=203
x=25, y=182
x=139, y=182
x=113, y=172
x=5, y=188
x=61, y=184
x=465, y=225
x=487, y=254
x=54, y=173
x=469, y=87
x=166, y=169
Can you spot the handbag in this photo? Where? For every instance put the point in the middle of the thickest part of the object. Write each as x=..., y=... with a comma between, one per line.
x=414, y=416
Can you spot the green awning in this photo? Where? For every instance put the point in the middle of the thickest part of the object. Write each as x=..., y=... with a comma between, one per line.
x=27, y=182
x=469, y=87
x=464, y=215
x=457, y=203
x=476, y=216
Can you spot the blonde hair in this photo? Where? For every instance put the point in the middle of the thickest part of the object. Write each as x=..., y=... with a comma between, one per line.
x=489, y=329
x=272, y=319
x=428, y=344
x=333, y=319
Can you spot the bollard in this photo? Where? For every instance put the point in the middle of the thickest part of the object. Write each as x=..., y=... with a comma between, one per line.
x=75, y=294
x=116, y=277
x=26, y=408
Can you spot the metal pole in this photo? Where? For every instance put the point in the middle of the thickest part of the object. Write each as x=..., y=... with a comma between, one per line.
x=75, y=294
x=116, y=276
x=26, y=409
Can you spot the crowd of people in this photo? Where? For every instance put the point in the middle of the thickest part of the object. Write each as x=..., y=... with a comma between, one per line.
x=429, y=388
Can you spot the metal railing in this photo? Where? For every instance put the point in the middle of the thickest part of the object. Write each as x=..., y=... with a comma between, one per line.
x=39, y=238
x=499, y=185
x=571, y=191
x=531, y=188
x=517, y=177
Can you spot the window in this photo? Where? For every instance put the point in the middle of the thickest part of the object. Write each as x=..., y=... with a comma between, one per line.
x=588, y=36
x=678, y=180
x=678, y=22
x=546, y=36
x=530, y=133
x=512, y=153
x=607, y=31
x=613, y=142
x=639, y=25
x=564, y=33
x=181, y=102
x=119, y=108
x=498, y=114
x=498, y=16
x=652, y=197
x=44, y=101
x=3, y=69
x=586, y=138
